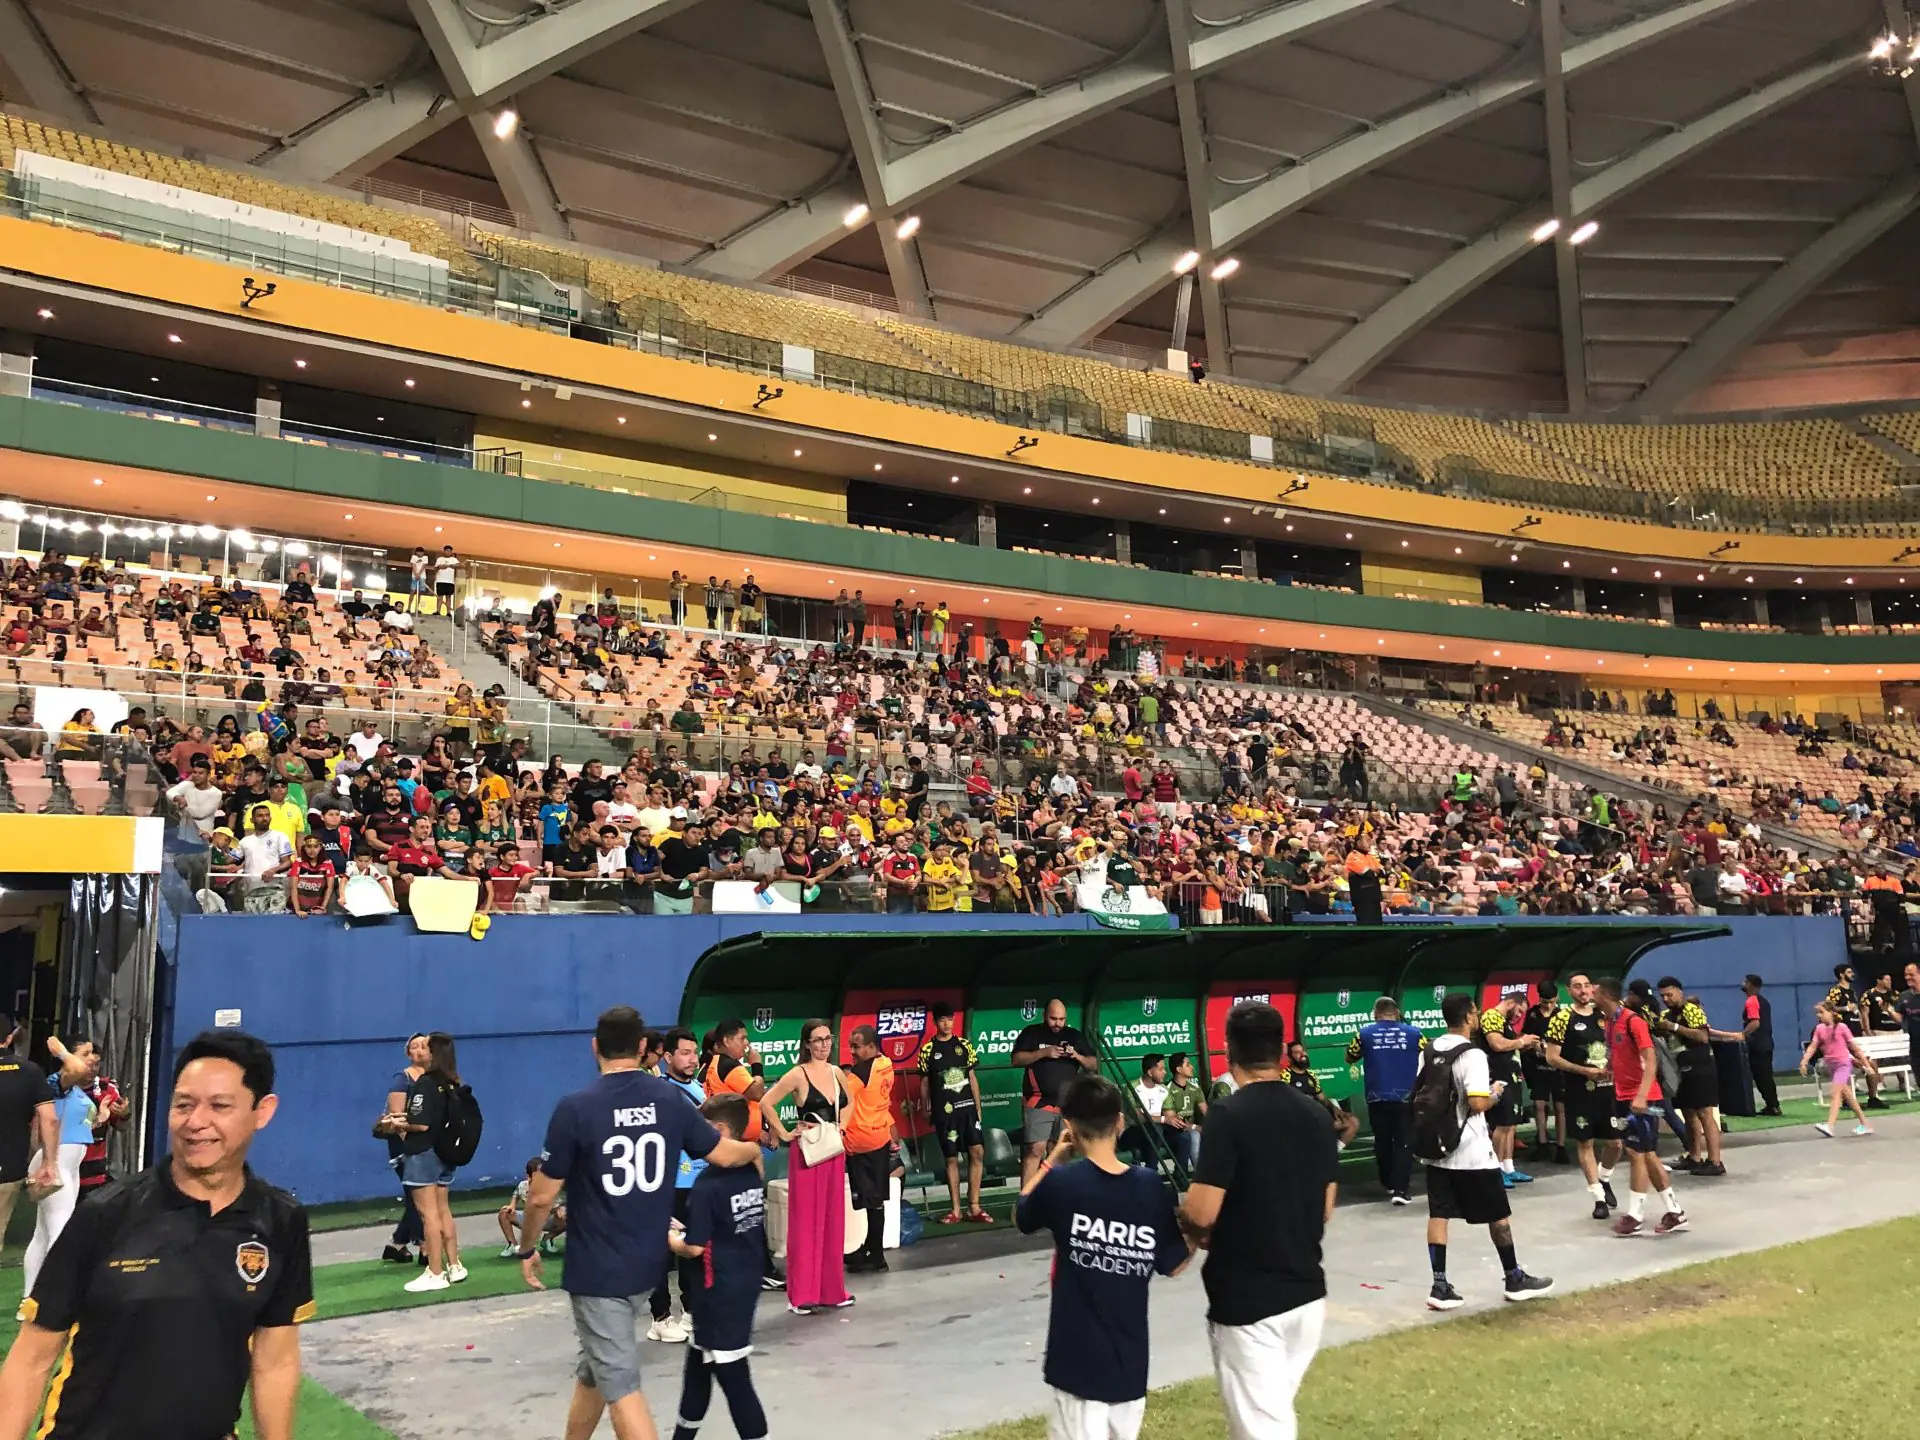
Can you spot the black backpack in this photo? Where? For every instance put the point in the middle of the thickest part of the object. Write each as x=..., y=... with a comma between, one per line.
x=457, y=1140
x=1437, y=1119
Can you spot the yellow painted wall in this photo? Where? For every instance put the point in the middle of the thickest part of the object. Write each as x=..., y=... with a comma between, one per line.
x=580, y=457
x=1427, y=579
x=301, y=307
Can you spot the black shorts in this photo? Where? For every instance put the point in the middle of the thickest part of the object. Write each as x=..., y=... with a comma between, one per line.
x=1699, y=1087
x=1544, y=1083
x=1504, y=1113
x=444, y=589
x=1477, y=1197
x=958, y=1130
x=1589, y=1112
x=869, y=1176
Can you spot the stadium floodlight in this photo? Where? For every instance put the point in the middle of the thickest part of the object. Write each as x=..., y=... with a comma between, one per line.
x=506, y=123
x=1186, y=262
x=209, y=532
x=1225, y=268
x=856, y=216
x=1546, y=230
x=1585, y=233
x=241, y=538
x=1882, y=48
x=907, y=228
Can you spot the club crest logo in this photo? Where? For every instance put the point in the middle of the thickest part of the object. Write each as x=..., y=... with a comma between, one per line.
x=1149, y=1005
x=1439, y=993
x=1345, y=999
x=251, y=1259
x=901, y=1029
x=1029, y=1010
x=763, y=1019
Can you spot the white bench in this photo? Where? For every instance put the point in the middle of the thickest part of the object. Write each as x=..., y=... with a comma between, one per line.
x=1891, y=1053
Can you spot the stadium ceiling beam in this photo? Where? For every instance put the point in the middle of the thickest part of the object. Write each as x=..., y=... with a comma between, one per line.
x=1899, y=24
x=1566, y=256
x=471, y=77
x=1366, y=344
x=30, y=55
x=1766, y=303
x=523, y=180
x=850, y=88
x=1195, y=160
x=1218, y=46
x=1083, y=311
x=783, y=238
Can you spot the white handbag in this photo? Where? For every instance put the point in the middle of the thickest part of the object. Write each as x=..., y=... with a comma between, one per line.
x=820, y=1141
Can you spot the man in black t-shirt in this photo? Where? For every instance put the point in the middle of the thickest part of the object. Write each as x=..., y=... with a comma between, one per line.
x=27, y=1123
x=683, y=863
x=1260, y=1200
x=165, y=1350
x=1052, y=1053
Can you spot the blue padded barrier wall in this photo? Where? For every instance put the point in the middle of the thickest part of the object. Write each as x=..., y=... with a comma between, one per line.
x=337, y=1006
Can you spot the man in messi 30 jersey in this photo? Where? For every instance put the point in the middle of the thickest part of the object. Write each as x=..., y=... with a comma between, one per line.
x=615, y=1148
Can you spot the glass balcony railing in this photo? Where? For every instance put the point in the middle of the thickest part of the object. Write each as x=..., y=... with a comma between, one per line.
x=536, y=286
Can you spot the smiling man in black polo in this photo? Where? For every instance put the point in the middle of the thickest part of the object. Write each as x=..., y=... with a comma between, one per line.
x=169, y=1294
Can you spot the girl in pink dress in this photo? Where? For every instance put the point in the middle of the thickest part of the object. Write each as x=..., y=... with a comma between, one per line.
x=1833, y=1042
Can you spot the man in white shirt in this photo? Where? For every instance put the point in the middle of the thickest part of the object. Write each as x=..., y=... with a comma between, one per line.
x=265, y=853
x=446, y=569
x=366, y=741
x=198, y=797
x=1063, y=785
x=1463, y=1183
x=621, y=810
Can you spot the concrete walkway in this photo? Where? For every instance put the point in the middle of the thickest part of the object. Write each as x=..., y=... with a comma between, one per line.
x=952, y=1339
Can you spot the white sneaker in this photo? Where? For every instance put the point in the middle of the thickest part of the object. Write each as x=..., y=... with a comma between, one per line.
x=1825, y=1129
x=509, y=1252
x=1863, y=1130
x=456, y=1272
x=668, y=1331
x=426, y=1280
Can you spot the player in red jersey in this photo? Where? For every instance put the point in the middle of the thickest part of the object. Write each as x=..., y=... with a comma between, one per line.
x=1636, y=1088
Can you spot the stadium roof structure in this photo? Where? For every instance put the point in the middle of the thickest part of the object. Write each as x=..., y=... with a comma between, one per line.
x=1380, y=170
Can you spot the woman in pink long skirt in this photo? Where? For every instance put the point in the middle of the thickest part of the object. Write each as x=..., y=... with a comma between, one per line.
x=816, y=1194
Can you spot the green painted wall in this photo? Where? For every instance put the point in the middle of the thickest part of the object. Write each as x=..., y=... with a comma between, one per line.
x=50, y=428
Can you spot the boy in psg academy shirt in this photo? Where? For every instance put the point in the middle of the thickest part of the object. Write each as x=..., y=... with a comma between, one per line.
x=725, y=1236
x=615, y=1147
x=1114, y=1228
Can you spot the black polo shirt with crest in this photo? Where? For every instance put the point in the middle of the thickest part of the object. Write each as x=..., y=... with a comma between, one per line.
x=160, y=1298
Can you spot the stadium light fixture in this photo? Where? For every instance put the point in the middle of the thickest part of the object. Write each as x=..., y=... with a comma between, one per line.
x=1585, y=233
x=907, y=228
x=1180, y=267
x=856, y=216
x=1225, y=268
x=506, y=123
x=44, y=313
x=1546, y=230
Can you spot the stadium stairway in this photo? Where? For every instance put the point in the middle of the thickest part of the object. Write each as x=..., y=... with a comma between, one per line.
x=527, y=707
x=1905, y=461
x=1568, y=767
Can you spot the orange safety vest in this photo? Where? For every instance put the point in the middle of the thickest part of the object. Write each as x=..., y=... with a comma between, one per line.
x=739, y=1080
x=869, y=1125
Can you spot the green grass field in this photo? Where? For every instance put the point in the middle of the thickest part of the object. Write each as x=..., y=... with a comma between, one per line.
x=1787, y=1340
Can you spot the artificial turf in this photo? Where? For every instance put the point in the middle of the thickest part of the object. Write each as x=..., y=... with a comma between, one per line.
x=1773, y=1340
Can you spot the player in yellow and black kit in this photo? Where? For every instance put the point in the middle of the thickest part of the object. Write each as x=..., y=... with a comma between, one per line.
x=1300, y=1075
x=1577, y=1049
x=1682, y=1026
x=949, y=1065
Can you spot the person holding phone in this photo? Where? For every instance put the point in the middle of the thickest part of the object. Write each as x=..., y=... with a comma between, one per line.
x=1052, y=1052
x=816, y=1192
